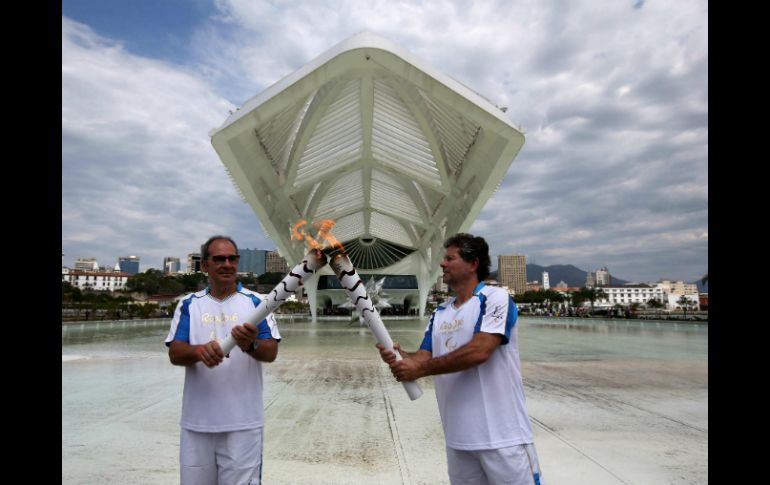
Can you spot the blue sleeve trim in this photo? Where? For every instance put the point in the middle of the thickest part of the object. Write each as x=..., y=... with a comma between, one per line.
x=264, y=330
x=510, y=320
x=183, y=328
x=482, y=311
x=427, y=339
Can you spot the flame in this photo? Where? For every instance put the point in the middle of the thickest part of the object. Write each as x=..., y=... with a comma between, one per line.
x=323, y=228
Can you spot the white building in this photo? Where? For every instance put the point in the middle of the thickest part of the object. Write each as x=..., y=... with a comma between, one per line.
x=95, y=280
x=693, y=301
x=546, y=284
x=603, y=277
x=399, y=154
x=628, y=294
x=86, y=264
x=171, y=265
x=679, y=287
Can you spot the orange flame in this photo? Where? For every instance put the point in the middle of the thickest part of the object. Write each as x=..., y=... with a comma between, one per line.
x=323, y=228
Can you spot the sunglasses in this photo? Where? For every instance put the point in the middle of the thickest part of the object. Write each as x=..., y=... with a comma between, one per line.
x=233, y=258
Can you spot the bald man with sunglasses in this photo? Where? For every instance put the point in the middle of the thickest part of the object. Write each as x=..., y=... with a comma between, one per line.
x=222, y=405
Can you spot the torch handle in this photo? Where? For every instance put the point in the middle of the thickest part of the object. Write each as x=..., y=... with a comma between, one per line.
x=355, y=287
x=413, y=390
x=260, y=313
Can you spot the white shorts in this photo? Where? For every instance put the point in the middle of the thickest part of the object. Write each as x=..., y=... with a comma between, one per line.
x=515, y=465
x=231, y=458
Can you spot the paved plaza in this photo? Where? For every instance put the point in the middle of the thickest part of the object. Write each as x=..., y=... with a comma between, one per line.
x=611, y=403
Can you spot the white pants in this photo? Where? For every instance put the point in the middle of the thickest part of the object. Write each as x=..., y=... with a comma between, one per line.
x=231, y=458
x=516, y=465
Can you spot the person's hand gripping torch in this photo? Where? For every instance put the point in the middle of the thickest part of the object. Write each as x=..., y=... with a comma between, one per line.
x=355, y=287
x=314, y=260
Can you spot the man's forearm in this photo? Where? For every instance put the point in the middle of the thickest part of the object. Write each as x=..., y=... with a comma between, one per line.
x=474, y=353
x=266, y=351
x=182, y=353
x=419, y=354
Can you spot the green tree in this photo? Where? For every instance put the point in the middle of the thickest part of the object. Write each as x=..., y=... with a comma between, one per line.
x=685, y=303
x=590, y=294
x=654, y=303
x=147, y=282
x=578, y=297
x=169, y=284
x=192, y=282
x=270, y=278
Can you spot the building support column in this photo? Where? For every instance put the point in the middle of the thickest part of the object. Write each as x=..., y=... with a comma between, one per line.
x=311, y=287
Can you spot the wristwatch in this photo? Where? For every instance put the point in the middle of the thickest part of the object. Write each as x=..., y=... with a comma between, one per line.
x=253, y=346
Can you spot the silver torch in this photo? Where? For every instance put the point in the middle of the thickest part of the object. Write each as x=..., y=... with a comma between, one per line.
x=355, y=287
x=314, y=260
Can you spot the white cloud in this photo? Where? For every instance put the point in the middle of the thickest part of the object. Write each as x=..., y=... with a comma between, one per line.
x=613, y=95
x=139, y=174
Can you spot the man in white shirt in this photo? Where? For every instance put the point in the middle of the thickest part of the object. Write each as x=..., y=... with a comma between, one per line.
x=222, y=406
x=471, y=346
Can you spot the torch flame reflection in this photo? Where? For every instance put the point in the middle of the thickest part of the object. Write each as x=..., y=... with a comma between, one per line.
x=323, y=228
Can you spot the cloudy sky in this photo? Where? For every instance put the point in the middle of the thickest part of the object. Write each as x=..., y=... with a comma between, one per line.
x=612, y=96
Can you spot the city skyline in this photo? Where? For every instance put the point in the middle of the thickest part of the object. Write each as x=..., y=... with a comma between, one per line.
x=493, y=267
x=612, y=97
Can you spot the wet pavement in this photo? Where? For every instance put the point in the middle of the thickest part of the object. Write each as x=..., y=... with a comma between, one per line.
x=611, y=402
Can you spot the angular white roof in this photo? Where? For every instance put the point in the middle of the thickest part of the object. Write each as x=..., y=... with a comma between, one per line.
x=398, y=153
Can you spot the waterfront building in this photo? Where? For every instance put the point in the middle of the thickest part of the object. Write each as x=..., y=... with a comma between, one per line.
x=95, y=280
x=399, y=154
x=635, y=293
x=678, y=287
x=693, y=300
x=512, y=273
x=546, y=283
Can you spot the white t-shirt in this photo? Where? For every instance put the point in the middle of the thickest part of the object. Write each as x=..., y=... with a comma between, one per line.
x=482, y=407
x=229, y=396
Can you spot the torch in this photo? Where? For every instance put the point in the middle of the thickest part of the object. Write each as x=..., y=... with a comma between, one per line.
x=350, y=280
x=314, y=260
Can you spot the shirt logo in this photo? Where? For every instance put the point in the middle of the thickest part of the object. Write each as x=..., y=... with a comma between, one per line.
x=451, y=326
x=449, y=344
x=220, y=319
x=498, y=312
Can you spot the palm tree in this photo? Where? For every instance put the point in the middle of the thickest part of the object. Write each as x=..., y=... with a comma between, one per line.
x=593, y=294
x=684, y=302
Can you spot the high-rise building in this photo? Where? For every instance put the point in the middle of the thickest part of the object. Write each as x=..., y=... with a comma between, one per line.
x=590, y=279
x=86, y=264
x=194, y=263
x=512, y=272
x=129, y=264
x=253, y=261
x=171, y=265
x=546, y=283
x=275, y=263
x=603, y=277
